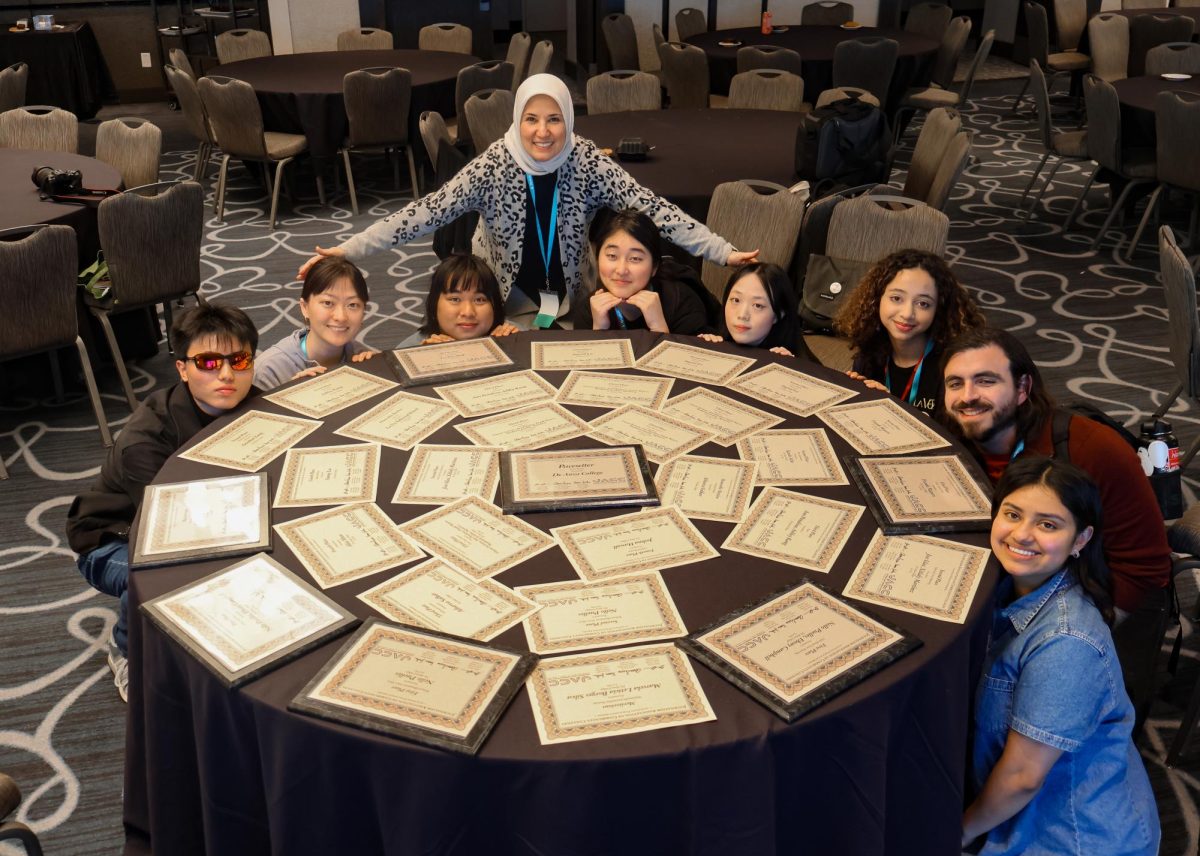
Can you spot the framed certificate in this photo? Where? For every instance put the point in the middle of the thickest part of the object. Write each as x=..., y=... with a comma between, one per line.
x=249, y=618
x=449, y=361
x=573, y=479
x=330, y=391
x=633, y=543
x=883, y=427
x=417, y=685
x=793, y=457
x=347, y=543
x=727, y=419
x=227, y=516
x=611, y=390
x=611, y=353
x=795, y=528
x=476, y=537
x=439, y=475
x=493, y=394
x=329, y=475
x=702, y=365
x=251, y=441
x=797, y=649
x=936, y=493
x=790, y=390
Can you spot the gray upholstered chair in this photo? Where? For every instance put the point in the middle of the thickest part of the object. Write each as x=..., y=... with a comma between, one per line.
x=1108, y=40
x=1183, y=327
x=866, y=64
x=377, y=106
x=454, y=38
x=1070, y=17
x=767, y=89
x=945, y=61
x=194, y=114
x=615, y=91
x=753, y=214
x=1174, y=57
x=491, y=74
x=685, y=73
x=1053, y=64
x=657, y=36
x=950, y=169
x=769, y=56
x=1149, y=31
x=39, y=306
x=929, y=20
x=237, y=122
x=10, y=798
x=489, y=113
x=1177, y=127
x=737, y=13
x=827, y=14
x=236, y=45
x=689, y=22
x=39, y=127
x=180, y=60
x=365, y=39
x=13, y=82
x=518, y=56
x=434, y=134
x=938, y=131
x=1064, y=145
x=131, y=145
x=540, y=58
x=621, y=40
x=935, y=96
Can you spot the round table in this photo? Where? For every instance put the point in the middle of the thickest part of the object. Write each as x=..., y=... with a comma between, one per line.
x=877, y=769
x=1137, y=96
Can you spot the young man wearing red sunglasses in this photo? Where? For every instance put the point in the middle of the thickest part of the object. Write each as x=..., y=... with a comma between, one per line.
x=215, y=345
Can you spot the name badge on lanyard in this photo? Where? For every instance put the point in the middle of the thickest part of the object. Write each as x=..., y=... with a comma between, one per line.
x=548, y=310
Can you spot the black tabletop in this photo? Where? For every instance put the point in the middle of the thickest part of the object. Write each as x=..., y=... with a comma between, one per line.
x=1139, y=93
x=66, y=68
x=21, y=205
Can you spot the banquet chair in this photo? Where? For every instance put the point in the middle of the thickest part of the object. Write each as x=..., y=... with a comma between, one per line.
x=235, y=45
x=489, y=112
x=689, y=22
x=180, y=60
x=10, y=798
x=238, y=126
x=616, y=91
x=1173, y=57
x=941, y=76
x=737, y=13
x=1053, y=64
x=826, y=14
x=13, y=83
x=1183, y=328
x=454, y=38
x=621, y=40
x=434, y=134
x=933, y=96
x=1108, y=40
x=1177, y=126
x=774, y=57
x=539, y=59
x=753, y=214
x=40, y=268
x=1145, y=4
x=365, y=39
x=941, y=126
x=151, y=239
x=1183, y=536
x=1063, y=145
x=1070, y=18
x=652, y=63
x=685, y=73
x=929, y=20
x=194, y=114
x=767, y=89
x=866, y=64
x=490, y=74
x=1149, y=31
x=518, y=56
x=39, y=127
x=377, y=108
x=131, y=145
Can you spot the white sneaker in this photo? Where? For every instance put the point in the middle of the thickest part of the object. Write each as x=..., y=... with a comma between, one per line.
x=120, y=669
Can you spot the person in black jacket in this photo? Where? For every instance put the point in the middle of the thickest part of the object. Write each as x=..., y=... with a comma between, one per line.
x=216, y=347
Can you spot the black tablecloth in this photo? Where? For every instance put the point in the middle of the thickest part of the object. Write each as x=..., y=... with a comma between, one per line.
x=1137, y=96
x=66, y=68
x=878, y=769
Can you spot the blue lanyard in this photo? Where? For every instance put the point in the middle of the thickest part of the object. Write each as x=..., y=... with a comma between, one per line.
x=545, y=242
x=914, y=380
x=304, y=345
x=1020, y=447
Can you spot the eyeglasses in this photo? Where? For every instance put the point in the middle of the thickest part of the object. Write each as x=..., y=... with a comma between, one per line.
x=211, y=361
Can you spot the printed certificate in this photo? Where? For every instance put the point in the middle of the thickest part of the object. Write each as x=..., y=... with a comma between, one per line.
x=728, y=420
x=606, y=389
x=435, y=596
x=624, y=691
x=922, y=575
x=401, y=421
x=663, y=437
x=795, y=529
x=248, y=618
x=330, y=391
x=329, y=475
x=689, y=362
x=449, y=361
x=882, y=427
x=582, y=354
x=203, y=519
x=347, y=543
x=632, y=543
x=528, y=428
x=418, y=685
x=793, y=457
x=437, y=475
x=571, y=479
x=494, y=394
x=476, y=537
x=798, y=649
x=791, y=390
x=576, y=615
x=251, y=441
x=923, y=494
x=707, y=488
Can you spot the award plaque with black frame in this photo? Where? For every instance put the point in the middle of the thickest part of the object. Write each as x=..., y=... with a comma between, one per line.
x=469, y=358
x=575, y=479
x=924, y=494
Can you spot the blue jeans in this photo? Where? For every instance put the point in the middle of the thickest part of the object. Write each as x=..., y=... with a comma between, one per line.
x=106, y=569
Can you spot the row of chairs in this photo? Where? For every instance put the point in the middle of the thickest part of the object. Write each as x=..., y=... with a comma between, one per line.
x=244, y=43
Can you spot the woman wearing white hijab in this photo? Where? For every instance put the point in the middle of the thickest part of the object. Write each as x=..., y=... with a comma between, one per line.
x=536, y=190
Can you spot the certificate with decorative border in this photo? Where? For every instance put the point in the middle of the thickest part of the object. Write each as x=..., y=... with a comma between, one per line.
x=476, y=537
x=791, y=390
x=449, y=361
x=494, y=394
x=727, y=419
x=329, y=475
x=400, y=422
x=581, y=354
x=338, y=545
x=573, y=479
x=702, y=365
x=248, y=618
x=882, y=427
x=633, y=543
x=251, y=441
x=575, y=615
x=416, y=684
x=528, y=428
x=437, y=475
x=795, y=528
x=331, y=391
x=662, y=437
x=611, y=390
x=436, y=596
x=918, y=574
x=226, y=516
x=935, y=493
x=623, y=691
x=793, y=457
x=707, y=488
x=798, y=649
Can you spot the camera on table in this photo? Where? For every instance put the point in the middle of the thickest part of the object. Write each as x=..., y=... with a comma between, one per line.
x=58, y=182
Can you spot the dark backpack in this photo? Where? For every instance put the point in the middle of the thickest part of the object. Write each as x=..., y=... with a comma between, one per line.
x=843, y=144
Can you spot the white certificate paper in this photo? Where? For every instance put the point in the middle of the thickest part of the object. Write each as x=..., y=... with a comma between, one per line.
x=437, y=475
x=476, y=537
x=401, y=421
x=882, y=427
x=251, y=441
x=702, y=365
x=707, y=488
x=528, y=428
x=582, y=354
x=662, y=437
x=330, y=391
x=790, y=390
x=431, y=362
x=926, y=489
x=611, y=390
x=498, y=393
x=795, y=529
x=727, y=419
x=632, y=543
x=793, y=457
x=347, y=543
x=328, y=475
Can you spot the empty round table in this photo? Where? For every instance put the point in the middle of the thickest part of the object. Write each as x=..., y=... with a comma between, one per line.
x=1138, y=95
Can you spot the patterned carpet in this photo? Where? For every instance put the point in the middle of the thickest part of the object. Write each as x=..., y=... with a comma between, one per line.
x=1095, y=324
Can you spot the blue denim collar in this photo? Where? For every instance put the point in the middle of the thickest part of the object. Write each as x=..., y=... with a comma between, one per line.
x=1023, y=610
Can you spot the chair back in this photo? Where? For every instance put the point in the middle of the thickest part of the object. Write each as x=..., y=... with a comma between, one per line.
x=39, y=127
x=13, y=83
x=951, y=48
x=454, y=38
x=620, y=39
x=434, y=134
x=950, y=169
x=377, y=106
x=131, y=145
x=1174, y=57
x=616, y=91
x=737, y=13
x=1177, y=126
x=941, y=126
x=188, y=95
x=929, y=20
x=977, y=61
x=1104, y=122
x=1041, y=102
x=649, y=58
x=39, y=290
x=490, y=74
x=752, y=57
x=867, y=64
x=1145, y=4
x=689, y=22
x=489, y=113
x=1038, y=28
x=685, y=72
x=1108, y=40
x=235, y=45
x=753, y=214
x=1070, y=17
x=827, y=14
x=1149, y=31
x=864, y=230
x=518, y=56
x=365, y=39
x=235, y=116
x=1183, y=324
x=539, y=59
x=766, y=89
x=180, y=60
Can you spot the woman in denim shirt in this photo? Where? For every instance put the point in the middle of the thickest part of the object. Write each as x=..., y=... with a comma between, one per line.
x=1056, y=770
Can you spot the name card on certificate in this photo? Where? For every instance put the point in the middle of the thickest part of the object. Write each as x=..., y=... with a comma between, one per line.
x=449, y=361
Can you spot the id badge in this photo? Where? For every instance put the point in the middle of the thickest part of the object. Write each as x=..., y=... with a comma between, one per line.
x=548, y=310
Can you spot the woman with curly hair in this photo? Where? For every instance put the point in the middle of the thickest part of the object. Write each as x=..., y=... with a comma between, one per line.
x=905, y=310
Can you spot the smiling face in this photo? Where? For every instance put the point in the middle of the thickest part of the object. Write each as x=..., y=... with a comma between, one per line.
x=335, y=316
x=982, y=397
x=222, y=389
x=465, y=314
x=748, y=313
x=1033, y=534
x=624, y=264
x=907, y=306
x=543, y=130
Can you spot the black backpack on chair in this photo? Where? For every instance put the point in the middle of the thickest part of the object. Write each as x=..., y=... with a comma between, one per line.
x=843, y=144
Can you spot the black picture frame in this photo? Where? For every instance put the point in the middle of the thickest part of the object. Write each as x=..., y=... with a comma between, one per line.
x=407, y=379
x=934, y=524
x=510, y=505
